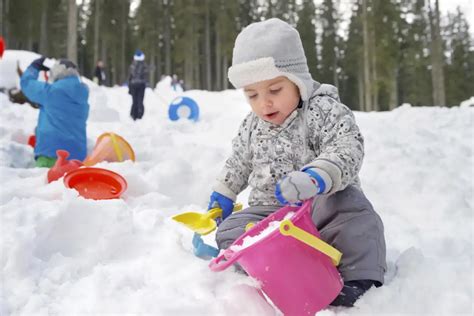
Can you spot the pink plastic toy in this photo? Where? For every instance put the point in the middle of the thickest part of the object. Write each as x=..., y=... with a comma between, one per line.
x=299, y=279
x=62, y=165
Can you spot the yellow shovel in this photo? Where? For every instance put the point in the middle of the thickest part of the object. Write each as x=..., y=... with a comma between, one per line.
x=202, y=223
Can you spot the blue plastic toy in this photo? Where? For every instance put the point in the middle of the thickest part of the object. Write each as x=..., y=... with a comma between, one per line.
x=179, y=102
x=202, y=250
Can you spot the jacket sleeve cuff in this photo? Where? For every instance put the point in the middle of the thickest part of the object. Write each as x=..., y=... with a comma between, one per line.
x=224, y=190
x=324, y=176
x=327, y=170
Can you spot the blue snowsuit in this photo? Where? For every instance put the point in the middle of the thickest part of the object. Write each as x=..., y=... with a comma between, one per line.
x=63, y=114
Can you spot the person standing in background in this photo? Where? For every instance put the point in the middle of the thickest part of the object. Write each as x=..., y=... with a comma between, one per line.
x=137, y=81
x=99, y=73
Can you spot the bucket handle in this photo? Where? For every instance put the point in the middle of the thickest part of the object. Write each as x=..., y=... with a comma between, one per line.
x=287, y=228
x=230, y=257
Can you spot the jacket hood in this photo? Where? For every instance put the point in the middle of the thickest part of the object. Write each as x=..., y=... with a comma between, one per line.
x=327, y=90
x=76, y=90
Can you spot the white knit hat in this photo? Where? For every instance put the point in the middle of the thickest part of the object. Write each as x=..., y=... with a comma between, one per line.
x=139, y=55
x=269, y=49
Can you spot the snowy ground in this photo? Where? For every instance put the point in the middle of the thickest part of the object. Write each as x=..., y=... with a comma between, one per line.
x=65, y=255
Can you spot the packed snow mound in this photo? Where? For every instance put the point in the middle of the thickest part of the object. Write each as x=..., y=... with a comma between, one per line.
x=8, y=66
x=467, y=103
x=62, y=254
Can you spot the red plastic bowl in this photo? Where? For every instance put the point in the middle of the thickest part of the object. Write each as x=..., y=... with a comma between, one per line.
x=96, y=183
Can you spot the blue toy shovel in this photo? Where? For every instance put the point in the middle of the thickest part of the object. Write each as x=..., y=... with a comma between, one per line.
x=203, y=250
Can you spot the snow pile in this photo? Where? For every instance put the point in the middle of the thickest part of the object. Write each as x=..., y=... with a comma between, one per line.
x=250, y=240
x=62, y=254
x=8, y=66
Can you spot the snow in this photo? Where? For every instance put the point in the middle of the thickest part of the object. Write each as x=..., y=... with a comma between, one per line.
x=250, y=240
x=8, y=64
x=62, y=254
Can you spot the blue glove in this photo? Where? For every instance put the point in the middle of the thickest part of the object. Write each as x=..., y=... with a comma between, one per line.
x=222, y=201
x=299, y=186
x=38, y=64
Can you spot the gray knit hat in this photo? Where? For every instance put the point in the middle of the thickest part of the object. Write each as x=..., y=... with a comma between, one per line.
x=269, y=49
x=63, y=68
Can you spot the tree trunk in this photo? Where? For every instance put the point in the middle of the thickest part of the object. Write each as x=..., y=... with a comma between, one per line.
x=158, y=42
x=72, y=31
x=207, y=48
x=31, y=26
x=366, y=47
x=43, y=44
x=167, y=38
x=196, y=59
x=190, y=61
x=225, y=65
x=3, y=17
x=360, y=86
x=5, y=27
x=373, y=55
x=218, y=61
x=437, y=62
x=123, y=60
x=334, y=70
x=151, y=74
x=394, y=90
x=103, y=57
x=96, y=30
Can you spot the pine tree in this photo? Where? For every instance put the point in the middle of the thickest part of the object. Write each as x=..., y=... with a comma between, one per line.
x=414, y=75
x=387, y=29
x=460, y=70
x=307, y=30
x=147, y=35
x=351, y=85
x=329, y=50
x=437, y=56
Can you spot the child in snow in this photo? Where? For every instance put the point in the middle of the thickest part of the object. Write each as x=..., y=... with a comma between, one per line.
x=298, y=142
x=63, y=110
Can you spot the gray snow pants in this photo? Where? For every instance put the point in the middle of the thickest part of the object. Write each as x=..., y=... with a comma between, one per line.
x=345, y=219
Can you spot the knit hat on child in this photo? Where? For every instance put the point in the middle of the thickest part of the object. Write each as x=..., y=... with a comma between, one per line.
x=61, y=69
x=269, y=49
x=139, y=55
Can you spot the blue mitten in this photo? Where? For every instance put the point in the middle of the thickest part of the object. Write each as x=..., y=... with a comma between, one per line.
x=299, y=186
x=222, y=201
x=38, y=64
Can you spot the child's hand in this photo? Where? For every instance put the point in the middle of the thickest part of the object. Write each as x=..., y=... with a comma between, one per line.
x=222, y=201
x=38, y=64
x=299, y=186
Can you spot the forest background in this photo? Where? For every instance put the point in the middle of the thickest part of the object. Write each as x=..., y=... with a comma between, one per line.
x=379, y=53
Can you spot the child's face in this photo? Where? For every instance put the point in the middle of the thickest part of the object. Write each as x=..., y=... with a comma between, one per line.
x=273, y=100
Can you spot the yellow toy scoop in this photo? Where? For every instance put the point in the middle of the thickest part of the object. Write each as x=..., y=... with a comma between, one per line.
x=202, y=223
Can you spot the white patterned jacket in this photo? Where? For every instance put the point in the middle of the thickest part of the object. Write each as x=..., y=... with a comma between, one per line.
x=322, y=133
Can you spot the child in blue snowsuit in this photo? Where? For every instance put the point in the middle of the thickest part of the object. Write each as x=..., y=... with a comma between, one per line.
x=63, y=110
x=299, y=142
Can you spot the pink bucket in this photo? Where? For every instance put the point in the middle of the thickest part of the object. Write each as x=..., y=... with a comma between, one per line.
x=299, y=279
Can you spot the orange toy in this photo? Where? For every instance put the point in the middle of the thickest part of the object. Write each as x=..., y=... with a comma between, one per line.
x=112, y=148
x=96, y=183
x=62, y=165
